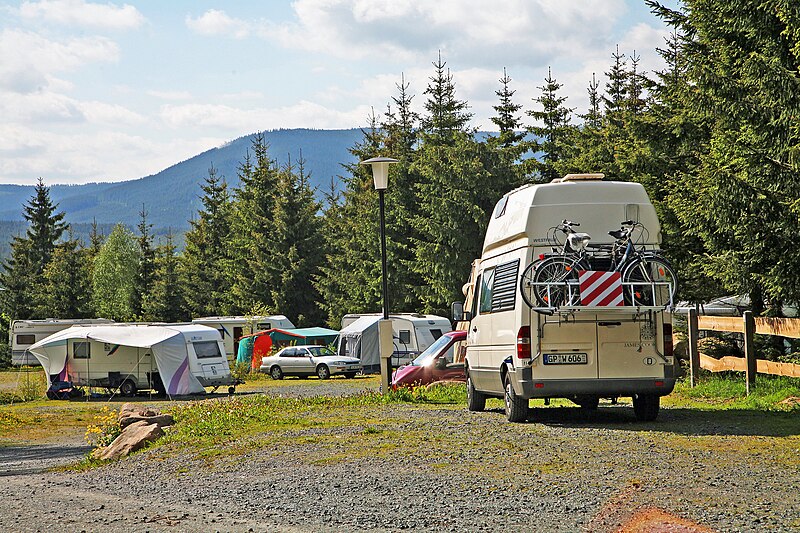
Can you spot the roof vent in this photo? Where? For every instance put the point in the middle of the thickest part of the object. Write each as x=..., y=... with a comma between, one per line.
x=579, y=177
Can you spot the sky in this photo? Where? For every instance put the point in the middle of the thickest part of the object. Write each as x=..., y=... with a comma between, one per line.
x=106, y=91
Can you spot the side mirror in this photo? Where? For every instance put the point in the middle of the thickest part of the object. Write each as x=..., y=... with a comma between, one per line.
x=457, y=310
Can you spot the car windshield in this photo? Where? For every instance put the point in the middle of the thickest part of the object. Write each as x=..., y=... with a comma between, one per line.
x=320, y=350
x=427, y=356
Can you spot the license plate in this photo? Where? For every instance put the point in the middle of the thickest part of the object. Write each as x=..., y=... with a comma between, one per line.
x=566, y=359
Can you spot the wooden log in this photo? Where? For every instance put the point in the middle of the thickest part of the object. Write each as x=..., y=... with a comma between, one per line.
x=749, y=324
x=785, y=327
x=739, y=364
x=731, y=324
x=694, y=354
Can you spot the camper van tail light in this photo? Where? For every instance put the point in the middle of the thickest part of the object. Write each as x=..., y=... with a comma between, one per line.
x=668, y=340
x=524, y=343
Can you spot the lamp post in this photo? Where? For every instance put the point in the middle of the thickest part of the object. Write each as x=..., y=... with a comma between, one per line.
x=380, y=178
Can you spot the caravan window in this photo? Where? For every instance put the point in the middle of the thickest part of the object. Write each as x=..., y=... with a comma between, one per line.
x=405, y=337
x=26, y=339
x=206, y=349
x=486, y=291
x=80, y=350
x=436, y=333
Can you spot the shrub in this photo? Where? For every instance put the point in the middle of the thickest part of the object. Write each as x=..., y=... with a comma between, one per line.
x=104, y=429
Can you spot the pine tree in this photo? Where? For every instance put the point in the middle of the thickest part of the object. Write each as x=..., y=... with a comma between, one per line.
x=145, y=271
x=251, y=245
x=554, y=130
x=205, y=265
x=165, y=302
x=67, y=282
x=507, y=119
x=114, y=276
x=445, y=115
x=45, y=226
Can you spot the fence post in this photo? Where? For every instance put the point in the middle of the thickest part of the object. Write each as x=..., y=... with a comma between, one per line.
x=749, y=348
x=694, y=355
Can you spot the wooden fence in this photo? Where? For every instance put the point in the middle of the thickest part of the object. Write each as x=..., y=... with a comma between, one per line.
x=749, y=326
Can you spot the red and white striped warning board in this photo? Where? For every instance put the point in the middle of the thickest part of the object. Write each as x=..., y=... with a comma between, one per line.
x=600, y=289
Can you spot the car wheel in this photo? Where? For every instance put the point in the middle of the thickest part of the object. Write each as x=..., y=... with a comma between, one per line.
x=476, y=401
x=128, y=388
x=645, y=407
x=323, y=372
x=516, y=407
x=350, y=375
x=276, y=372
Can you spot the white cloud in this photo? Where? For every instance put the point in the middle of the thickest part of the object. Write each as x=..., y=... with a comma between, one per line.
x=171, y=95
x=30, y=60
x=217, y=23
x=303, y=114
x=83, y=14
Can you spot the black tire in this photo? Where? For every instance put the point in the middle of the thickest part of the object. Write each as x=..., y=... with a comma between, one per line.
x=476, y=401
x=231, y=390
x=516, y=407
x=350, y=375
x=557, y=272
x=323, y=372
x=127, y=388
x=275, y=372
x=646, y=270
x=645, y=407
x=588, y=403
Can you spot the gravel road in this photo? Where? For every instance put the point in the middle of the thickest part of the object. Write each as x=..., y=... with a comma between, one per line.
x=562, y=471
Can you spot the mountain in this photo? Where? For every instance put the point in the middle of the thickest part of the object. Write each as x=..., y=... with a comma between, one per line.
x=172, y=196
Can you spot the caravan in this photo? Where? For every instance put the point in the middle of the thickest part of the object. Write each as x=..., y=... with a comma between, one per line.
x=24, y=333
x=517, y=351
x=233, y=328
x=171, y=359
x=412, y=333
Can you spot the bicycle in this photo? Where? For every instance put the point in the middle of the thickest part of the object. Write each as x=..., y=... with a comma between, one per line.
x=552, y=280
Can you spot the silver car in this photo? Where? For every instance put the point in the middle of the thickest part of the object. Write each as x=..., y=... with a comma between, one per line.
x=307, y=361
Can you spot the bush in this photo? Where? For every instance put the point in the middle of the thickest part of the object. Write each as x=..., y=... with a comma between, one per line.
x=105, y=428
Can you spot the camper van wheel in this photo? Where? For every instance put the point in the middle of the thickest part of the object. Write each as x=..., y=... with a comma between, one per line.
x=323, y=372
x=231, y=390
x=128, y=388
x=276, y=372
x=645, y=407
x=476, y=401
x=588, y=403
x=516, y=407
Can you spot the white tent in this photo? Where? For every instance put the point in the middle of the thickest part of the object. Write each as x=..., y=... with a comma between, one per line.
x=362, y=340
x=168, y=344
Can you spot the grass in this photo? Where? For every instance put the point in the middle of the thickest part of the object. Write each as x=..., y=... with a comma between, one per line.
x=723, y=391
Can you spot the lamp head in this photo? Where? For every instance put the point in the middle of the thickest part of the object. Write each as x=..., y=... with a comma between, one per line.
x=380, y=170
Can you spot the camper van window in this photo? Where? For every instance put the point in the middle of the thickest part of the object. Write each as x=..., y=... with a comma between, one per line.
x=405, y=337
x=80, y=350
x=500, y=208
x=486, y=291
x=206, y=349
x=436, y=333
x=504, y=288
x=26, y=339
x=474, y=307
x=264, y=325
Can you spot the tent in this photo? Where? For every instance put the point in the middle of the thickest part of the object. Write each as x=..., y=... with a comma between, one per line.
x=262, y=341
x=168, y=345
x=362, y=340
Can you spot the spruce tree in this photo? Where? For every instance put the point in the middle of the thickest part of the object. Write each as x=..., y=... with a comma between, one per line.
x=553, y=129
x=67, y=282
x=165, y=302
x=145, y=270
x=445, y=114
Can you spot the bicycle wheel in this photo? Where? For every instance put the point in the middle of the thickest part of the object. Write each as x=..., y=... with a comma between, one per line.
x=653, y=282
x=548, y=285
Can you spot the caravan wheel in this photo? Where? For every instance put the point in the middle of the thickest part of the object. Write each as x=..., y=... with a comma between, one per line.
x=128, y=388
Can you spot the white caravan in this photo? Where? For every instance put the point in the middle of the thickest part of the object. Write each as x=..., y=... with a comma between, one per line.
x=233, y=328
x=518, y=352
x=412, y=333
x=175, y=359
x=24, y=333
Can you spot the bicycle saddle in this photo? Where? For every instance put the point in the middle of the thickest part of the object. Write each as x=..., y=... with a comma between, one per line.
x=619, y=234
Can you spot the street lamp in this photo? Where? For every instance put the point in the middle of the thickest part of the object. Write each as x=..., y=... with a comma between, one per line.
x=380, y=177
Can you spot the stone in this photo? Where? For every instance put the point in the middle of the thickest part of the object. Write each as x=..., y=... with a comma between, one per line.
x=132, y=438
x=161, y=420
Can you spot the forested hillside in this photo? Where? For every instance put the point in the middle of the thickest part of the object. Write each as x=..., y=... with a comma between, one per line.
x=714, y=138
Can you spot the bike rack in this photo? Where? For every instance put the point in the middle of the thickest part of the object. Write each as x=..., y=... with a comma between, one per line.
x=633, y=292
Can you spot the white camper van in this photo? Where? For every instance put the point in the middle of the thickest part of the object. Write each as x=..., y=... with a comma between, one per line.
x=24, y=333
x=518, y=351
x=175, y=359
x=233, y=328
x=412, y=333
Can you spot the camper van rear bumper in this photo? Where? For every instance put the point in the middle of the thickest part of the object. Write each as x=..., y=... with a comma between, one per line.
x=565, y=388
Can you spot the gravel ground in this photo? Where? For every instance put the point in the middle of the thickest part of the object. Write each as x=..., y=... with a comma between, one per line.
x=563, y=471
